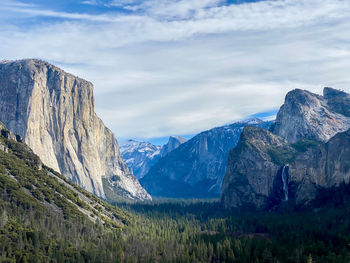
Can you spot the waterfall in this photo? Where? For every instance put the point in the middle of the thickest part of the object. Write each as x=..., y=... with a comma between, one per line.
x=285, y=182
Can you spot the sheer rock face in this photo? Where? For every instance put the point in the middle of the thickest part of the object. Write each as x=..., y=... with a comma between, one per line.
x=309, y=149
x=196, y=168
x=254, y=173
x=307, y=115
x=7, y=134
x=250, y=172
x=338, y=101
x=53, y=111
x=172, y=144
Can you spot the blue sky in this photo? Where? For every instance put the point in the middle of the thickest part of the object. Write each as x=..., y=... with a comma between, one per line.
x=178, y=67
x=100, y=6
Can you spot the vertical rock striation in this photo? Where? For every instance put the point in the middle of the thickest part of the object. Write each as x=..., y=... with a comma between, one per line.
x=53, y=112
x=265, y=170
x=251, y=171
x=308, y=150
x=308, y=115
x=171, y=145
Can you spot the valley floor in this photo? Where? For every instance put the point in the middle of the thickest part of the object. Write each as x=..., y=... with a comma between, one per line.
x=176, y=231
x=197, y=231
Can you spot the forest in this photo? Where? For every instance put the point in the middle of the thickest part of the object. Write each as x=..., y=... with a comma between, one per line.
x=46, y=218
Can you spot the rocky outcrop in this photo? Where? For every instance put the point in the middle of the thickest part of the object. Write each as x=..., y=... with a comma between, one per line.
x=337, y=100
x=265, y=170
x=196, y=168
x=53, y=112
x=141, y=156
x=171, y=145
x=251, y=171
x=7, y=134
x=256, y=167
x=307, y=115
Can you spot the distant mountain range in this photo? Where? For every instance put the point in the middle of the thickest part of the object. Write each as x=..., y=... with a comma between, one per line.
x=196, y=168
x=141, y=156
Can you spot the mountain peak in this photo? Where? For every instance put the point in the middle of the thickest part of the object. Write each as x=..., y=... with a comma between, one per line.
x=172, y=144
x=37, y=66
x=338, y=101
x=265, y=170
x=302, y=110
x=252, y=121
x=329, y=92
x=141, y=156
x=196, y=168
x=176, y=138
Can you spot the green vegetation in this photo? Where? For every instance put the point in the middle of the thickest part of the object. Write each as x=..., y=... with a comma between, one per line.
x=282, y=155
x=43, y=218
x=46, y=218
x=200, y=232
x=304, y=144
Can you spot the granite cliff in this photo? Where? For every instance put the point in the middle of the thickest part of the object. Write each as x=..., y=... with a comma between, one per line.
x=308, y=115
x=53, y=112
x=302, y=156
x=264, y=170
x=171, y=145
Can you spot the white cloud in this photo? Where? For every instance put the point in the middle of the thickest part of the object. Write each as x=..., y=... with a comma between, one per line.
x=168, y=9
x=178, y=67
x=90, y=2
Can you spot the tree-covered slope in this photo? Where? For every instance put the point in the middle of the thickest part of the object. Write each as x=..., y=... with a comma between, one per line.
x=46, y=218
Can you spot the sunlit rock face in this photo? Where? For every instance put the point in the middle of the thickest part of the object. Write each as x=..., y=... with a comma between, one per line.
x=309, y=149
x=308, y=115
x=53, y=111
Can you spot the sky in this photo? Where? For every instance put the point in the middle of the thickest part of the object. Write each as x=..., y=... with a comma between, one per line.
x=178, y=67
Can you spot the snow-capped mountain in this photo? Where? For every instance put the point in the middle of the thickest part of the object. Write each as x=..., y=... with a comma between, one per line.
x=196, y=168
x=141, y=156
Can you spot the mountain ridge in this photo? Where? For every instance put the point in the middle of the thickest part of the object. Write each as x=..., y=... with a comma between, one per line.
x=196, y=168
x=141, y=156
x=308, y=115
x=294, y=161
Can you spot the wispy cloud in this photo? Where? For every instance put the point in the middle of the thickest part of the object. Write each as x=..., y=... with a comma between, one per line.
x=168, y=9
x=90, y=2
x=178, y=67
